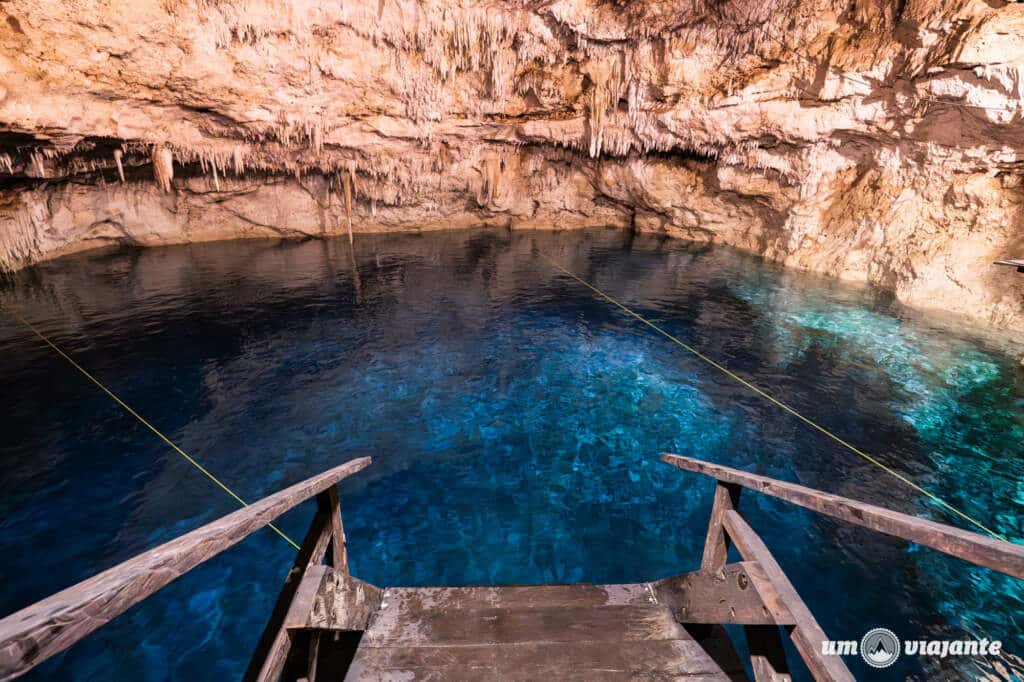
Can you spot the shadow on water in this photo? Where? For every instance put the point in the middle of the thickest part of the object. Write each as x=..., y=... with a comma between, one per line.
x=514, y=420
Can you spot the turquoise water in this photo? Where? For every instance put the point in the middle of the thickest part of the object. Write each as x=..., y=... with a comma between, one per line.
x=515, y=423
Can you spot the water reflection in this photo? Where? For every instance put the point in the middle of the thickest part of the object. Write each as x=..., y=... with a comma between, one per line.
x=514, y=421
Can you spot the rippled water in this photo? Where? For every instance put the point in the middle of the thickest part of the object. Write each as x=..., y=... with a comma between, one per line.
x=514, y=420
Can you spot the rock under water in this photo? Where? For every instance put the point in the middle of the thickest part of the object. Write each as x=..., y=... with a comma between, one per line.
x=874, y=140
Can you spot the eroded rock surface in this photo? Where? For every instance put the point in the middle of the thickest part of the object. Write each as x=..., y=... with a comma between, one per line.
x=876, y=140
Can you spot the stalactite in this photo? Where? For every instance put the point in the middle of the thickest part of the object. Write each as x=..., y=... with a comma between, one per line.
x=490, y=186
x=163, y=167
x=442, y=160
x=37, y=164
x=20, y=240
x=118, y=154
x=317, y=139
x=349, y=188
x=608, y=75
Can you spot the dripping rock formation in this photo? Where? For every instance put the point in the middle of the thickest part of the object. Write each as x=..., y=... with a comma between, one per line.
x=875, y=140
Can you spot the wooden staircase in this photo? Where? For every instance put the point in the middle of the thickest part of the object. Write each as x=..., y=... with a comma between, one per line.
x=329, y=625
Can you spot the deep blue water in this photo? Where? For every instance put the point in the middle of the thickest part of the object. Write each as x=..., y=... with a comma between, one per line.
x=515, y=423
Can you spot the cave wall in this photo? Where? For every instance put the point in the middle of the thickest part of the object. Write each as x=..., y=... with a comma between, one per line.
x=875, y=140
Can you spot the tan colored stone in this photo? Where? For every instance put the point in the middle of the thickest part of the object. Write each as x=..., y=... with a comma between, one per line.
x=818, y=133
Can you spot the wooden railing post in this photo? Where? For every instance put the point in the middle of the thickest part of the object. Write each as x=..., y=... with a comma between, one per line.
x=271, y=651
x=271, y=654
x=767, y=656
x=328, y=502
x=716, y=545
x=314, y=656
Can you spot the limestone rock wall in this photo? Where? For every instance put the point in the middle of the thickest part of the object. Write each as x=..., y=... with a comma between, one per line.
x=876, y=140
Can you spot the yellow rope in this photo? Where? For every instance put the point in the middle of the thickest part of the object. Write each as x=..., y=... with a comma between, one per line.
x=135, y=414
x=778, y=403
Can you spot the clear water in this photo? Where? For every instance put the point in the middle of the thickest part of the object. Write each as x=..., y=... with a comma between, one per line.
x=515, y=423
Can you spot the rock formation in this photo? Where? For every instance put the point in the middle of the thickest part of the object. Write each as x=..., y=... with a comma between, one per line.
x=876, y=140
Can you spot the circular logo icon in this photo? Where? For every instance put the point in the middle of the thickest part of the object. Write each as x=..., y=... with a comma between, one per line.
x=880, y=648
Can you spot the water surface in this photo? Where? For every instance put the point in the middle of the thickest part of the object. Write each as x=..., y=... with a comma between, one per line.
x=515, y=422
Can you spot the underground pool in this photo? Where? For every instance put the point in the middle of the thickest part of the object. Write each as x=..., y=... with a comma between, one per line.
x=515, y=421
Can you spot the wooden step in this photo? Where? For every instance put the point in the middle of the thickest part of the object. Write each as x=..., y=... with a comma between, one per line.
x=510, y=626
x=651, y=660
x=557, y=632
x=519, y=596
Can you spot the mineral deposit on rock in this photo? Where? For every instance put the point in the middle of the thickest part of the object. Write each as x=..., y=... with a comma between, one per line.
x=874, y=140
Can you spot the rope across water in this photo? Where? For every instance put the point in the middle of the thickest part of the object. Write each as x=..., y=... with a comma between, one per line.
x=16, y=315
x=778, y=403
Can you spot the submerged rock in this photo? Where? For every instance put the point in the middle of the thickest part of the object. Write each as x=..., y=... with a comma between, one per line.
x=878, y=141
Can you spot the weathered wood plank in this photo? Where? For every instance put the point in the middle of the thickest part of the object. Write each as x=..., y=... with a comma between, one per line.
x=343, y=603
x=519, y=596
x=807, y=635
x=314, y=656
x=767, y=656
x=728, y=596
x=328, y=501
x=391, y=627
x=1005, y=557
x=716, y=545
x=679, y=659
x=302, y=601
x=48, y=627
x=773, y=603
x=270, y=667
x=271, y=652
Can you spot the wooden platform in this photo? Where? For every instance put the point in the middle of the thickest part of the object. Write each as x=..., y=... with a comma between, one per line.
x=554, y=632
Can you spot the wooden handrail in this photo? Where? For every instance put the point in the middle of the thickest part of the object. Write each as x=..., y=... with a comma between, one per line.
x=999, y=555
x=47, y=627
x=807, y=635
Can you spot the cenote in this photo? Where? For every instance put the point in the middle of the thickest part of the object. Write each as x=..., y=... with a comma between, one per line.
x=515, y=421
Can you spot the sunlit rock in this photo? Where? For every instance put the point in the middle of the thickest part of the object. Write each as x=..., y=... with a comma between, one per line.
x=873, y=140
